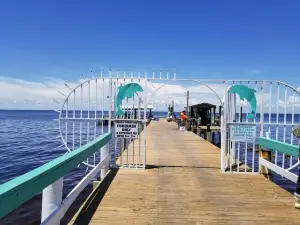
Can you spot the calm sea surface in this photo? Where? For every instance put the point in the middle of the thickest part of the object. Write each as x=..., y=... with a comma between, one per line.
x=30, y=139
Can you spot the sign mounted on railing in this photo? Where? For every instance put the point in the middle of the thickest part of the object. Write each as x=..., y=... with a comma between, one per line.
x=126, y=129
x=242, y=133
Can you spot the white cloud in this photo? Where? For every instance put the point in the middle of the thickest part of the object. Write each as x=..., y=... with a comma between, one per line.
x=23, y=94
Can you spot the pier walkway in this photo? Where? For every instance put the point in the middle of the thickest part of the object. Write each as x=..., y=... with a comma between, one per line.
x=183, y=185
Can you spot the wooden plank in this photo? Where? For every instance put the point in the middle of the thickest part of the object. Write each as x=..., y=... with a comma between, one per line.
x=183, y=185
x=17, y=191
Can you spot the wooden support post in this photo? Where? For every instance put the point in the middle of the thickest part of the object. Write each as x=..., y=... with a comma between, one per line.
x=267, y=155
x=194, y=129
x=208, y=134
x=199, y=131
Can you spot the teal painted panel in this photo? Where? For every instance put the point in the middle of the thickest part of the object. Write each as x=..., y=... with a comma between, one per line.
x=17, y=191
x=286, y=148
x=126, y=91
x=246, y=93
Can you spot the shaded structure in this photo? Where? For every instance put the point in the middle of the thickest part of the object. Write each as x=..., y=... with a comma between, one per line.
x=206, y=111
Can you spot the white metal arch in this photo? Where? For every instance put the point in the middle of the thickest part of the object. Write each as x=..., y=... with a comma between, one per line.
x=204, y=82
x=176, y=80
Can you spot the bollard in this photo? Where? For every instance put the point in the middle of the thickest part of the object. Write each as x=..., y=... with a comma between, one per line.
x=267, y=155
x=52, y=197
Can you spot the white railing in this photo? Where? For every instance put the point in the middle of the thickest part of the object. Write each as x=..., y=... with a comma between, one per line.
x=278, y=109
x=52, y=213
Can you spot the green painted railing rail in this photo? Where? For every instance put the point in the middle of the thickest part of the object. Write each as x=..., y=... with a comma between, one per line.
x=274, y=145
x=17, y=191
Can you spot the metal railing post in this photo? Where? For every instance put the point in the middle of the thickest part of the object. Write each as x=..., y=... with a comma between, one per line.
x=223, y=132
x=104, y=152
x=52, y=197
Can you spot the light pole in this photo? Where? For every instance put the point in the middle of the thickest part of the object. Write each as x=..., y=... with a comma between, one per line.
x=187, y=101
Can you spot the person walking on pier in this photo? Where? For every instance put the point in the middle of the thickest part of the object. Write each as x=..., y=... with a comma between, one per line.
x=296, y=132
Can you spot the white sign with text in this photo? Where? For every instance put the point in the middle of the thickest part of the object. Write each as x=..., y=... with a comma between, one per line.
x=242, y=133
x=126, y=129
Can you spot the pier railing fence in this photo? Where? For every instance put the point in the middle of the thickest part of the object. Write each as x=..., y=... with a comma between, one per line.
x=277, y=114
x=48, y=179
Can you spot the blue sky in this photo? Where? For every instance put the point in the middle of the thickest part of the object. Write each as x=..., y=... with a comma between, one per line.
x=201, y=39
x=216, y=39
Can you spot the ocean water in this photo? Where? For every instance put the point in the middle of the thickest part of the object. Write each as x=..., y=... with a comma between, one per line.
x=30, y=139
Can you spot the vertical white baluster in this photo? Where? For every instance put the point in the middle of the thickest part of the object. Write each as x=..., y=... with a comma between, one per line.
x=89, y=108
x=132, y=117
x=246, y=145
x=81, y=107
x=239, y=143
x=293, y=120
x=52, y=197
x=115, y=116
x=95, y=123
x=270, y=107
x=284, y=128
x=73, y=141
x=277, y=120
x=262, y=120
x=104, y=152
x=103, y=99
x=145, y=118
x=88, y=114
x=224, y=131
x=234, y=117
x=67, y=116
x=110, y=102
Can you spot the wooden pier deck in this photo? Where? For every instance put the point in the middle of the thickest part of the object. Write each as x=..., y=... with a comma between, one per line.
x=183, y=185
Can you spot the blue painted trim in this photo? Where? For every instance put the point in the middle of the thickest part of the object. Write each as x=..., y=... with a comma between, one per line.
x=274, y=145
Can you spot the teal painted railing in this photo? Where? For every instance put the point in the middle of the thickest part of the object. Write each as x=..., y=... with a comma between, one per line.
x=274, y=145
x=17, y=191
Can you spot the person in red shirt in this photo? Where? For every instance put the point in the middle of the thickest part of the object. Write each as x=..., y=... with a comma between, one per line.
x=183, y=118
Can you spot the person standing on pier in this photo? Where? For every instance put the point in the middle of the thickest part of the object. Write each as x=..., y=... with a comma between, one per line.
x=296, y=132
x=183, y=118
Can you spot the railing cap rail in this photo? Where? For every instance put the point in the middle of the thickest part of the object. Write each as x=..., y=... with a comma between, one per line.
x=276, y=145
